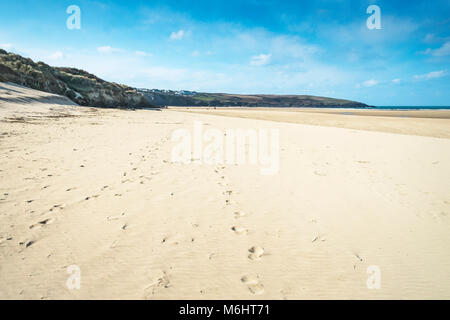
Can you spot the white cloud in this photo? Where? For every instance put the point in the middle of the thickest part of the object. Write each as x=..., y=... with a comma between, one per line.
x=260, y=60
x=56, y=55
x=396, y=80
x=5, y=46
x=177, y=35
x=431, y=75
x=107, y=49
x=439, y=52
x=442, y=51
x=427, y=51
x=195, y=53
x=370, y=83
x=431, y=38
x=143, y=54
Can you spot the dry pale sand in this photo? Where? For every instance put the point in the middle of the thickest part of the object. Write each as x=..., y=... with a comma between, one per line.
x=96, y=188
x=430, y=123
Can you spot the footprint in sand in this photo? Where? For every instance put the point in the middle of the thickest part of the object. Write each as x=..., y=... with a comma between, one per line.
x=164, y=240
x=255, y=253
x=239, y=230
x=358, y=256
x=114, y=244
x=318, y=238
x=109, y=218
x=41, y=223
x=253, y=284
x=238, y=214
x=160, y=281
x=57, y=206
x=27, y=243
x=94, y=196
x=229, y=202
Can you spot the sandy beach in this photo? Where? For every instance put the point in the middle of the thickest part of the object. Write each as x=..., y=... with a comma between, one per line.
x=96, y=189
x=429, y=123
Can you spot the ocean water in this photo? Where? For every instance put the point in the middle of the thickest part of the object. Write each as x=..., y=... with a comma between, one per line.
x=413, y=107
x=369, y=108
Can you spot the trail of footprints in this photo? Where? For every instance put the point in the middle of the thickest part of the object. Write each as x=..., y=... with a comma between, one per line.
x=252, y=282
x=162, y=280
x=46, y=220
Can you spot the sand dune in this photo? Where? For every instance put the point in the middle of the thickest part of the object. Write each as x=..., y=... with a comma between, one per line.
x=97, y=189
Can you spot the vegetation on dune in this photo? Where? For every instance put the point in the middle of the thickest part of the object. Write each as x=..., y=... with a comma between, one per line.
x=80, y=86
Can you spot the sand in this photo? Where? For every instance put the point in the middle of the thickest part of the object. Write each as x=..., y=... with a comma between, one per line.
x=430, y=123
x=96, y=189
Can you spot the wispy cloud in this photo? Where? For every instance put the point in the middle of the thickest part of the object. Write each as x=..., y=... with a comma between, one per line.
x=107, y=49
x=5, y=46
x=370, y=83
x=143, y=54
x=260, y=60
x=444, y=50
x=431, y=75
x=56, y=55
x=177, y=35
x=432, y=38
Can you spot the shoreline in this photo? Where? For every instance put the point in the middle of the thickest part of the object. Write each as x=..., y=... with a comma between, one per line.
x=398, y=108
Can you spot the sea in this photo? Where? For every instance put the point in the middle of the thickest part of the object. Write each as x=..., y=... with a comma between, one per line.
x=413, y=107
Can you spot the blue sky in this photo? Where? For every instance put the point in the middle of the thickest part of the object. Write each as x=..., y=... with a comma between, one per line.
x=318, y=47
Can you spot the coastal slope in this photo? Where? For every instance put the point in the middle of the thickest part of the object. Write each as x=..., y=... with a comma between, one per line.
x=79, y=86
x=192, y=98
